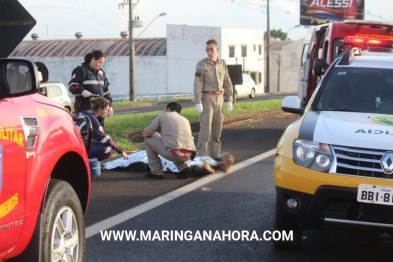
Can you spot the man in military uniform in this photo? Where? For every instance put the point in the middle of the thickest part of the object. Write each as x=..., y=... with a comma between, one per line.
x=211, y=83
x=169, y=135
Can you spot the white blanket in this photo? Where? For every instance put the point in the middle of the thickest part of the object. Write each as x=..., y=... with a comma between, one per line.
x=141, y=156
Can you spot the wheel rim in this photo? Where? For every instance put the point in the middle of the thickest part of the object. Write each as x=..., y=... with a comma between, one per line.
x=65, y=236
x=253, y=92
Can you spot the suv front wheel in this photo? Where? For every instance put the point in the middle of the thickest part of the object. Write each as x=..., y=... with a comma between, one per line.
x=63, y=231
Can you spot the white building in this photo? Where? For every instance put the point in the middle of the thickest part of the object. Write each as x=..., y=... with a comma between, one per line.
x=186, y=46
x=163, y=65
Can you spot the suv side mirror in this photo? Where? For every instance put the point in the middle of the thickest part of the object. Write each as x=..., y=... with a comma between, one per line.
x=319, y=67
x=292, y=104
x=19, y=77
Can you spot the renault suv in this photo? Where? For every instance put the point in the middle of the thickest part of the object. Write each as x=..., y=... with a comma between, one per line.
x=334, y=165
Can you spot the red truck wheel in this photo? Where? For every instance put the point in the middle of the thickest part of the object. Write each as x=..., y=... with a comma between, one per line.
x=63, y=230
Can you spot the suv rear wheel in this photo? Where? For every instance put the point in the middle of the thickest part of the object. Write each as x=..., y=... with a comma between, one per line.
x=252, y=94
x=63, y=232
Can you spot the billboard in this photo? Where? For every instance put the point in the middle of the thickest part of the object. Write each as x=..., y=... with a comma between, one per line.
x=314, y=12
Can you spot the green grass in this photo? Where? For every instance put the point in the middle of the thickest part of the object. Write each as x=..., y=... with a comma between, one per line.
x=144, y=103
x=119, y=125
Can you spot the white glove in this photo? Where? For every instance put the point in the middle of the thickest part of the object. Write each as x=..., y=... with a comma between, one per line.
x=110, y=112
x=230, y=106
x=86, y=93
x=199, y=108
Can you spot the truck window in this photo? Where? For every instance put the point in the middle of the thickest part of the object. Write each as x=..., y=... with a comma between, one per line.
x=304, y=54
x=325, y=51
x=336, y=44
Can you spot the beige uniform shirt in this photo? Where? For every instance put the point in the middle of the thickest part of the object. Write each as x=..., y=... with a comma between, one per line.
x=210, y=77
x=175, y=131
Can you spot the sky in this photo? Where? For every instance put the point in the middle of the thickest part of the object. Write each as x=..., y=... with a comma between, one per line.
x=61, y=19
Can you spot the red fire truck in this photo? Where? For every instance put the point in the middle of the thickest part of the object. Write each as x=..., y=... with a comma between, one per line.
x=324, y=41
x=44, y=167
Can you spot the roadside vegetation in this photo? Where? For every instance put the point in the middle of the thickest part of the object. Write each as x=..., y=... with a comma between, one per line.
x=119, y=125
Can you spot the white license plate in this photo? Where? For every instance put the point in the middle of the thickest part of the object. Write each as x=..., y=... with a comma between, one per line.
x=382, y=195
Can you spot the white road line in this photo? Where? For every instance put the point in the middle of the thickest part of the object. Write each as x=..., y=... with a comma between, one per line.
x=135, y=211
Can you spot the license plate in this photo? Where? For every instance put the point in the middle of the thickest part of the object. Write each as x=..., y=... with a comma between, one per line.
x=382, y=195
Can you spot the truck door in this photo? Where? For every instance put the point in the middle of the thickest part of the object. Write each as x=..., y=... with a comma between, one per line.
x=305, y=68
x=12, y=173
x=314, y=51
x=301, y=76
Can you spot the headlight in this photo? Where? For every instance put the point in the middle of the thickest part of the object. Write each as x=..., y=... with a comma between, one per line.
x=312, y=155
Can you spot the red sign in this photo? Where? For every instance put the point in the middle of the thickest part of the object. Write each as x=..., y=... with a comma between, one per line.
x=313, y=12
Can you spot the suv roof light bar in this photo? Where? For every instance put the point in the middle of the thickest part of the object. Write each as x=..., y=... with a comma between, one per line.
x=355, y=41
x=349, y=54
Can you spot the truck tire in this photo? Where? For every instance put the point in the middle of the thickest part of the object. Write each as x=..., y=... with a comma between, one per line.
x=63, y=229
x=283, y=224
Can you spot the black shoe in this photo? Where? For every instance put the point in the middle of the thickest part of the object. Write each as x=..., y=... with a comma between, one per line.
x=185, y=173
x=151, y=175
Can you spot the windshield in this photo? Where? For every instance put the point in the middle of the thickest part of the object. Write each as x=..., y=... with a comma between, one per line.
x=357, y=90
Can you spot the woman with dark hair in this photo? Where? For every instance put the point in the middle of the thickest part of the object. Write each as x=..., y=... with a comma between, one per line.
x=89, y=80
x=102, y=145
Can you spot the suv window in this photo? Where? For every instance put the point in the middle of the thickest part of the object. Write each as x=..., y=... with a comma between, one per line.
x=53, y=91
x=357, y=89
x=18, y=77
x=246, y=78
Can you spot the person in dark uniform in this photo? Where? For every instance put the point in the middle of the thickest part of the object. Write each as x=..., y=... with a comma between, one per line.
x=102, y=146
x=211, y=83
x=89, y=80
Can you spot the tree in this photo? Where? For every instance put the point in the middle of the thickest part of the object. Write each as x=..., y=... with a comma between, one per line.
x=276, y=34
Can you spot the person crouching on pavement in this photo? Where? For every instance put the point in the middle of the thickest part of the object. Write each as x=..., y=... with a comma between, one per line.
x=102, y=146
x=169, y=135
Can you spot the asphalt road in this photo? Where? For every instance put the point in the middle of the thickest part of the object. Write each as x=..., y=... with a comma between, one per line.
x=241, y=201
x=186, y=104
x=116, y=191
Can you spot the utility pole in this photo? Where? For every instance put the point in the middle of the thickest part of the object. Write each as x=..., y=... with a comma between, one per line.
x=267, y=84
x=132, y=52
x=278, y=75
x=132, y=89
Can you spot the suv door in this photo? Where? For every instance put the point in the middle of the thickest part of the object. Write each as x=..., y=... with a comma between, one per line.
x=12, y=172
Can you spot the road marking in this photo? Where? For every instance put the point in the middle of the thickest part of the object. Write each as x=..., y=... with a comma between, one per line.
x=135, y=211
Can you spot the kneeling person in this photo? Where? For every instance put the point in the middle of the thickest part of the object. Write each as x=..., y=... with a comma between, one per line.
x=169, y=135
x=102, y=146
